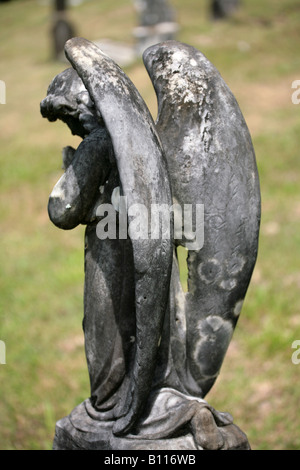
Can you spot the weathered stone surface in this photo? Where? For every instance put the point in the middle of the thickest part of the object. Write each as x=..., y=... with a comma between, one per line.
x=211, y=161
x=154, y=351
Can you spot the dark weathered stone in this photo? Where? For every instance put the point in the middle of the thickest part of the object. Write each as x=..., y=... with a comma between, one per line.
x=154, y=351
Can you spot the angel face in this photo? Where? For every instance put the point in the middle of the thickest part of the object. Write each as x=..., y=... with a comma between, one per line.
x=68, y=100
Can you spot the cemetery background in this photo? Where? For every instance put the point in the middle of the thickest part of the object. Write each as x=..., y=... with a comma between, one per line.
x=41, y=282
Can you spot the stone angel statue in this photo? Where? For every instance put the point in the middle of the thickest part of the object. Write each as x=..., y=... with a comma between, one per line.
x=154, y=351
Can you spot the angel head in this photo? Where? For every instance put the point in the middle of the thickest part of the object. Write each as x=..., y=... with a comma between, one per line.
x=68, y=100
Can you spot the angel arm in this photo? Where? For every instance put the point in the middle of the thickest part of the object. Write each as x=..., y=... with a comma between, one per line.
x=76, y=191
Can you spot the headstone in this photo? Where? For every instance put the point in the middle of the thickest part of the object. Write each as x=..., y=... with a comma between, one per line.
x=153, y=351
x=156, y=23
x=62, y=29
x=221, y=9
x=60, y=5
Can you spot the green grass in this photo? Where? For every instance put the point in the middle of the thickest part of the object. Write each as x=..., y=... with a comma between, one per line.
x=41, y=283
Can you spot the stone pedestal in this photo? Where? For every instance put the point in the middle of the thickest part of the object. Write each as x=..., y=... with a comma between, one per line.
x=81, y=431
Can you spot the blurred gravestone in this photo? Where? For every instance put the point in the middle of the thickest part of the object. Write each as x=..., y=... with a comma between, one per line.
x=60, y=5
x=62, y=29
x=223, y=8
x=156, y=23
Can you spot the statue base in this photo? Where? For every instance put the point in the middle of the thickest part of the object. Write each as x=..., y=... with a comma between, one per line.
x=67, y=437
x=192, y=425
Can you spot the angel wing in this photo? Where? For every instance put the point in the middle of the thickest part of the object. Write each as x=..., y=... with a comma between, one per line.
x=211, y=161
x=144, y=180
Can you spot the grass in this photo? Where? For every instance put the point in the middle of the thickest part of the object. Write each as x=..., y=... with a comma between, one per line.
x=41, y=281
